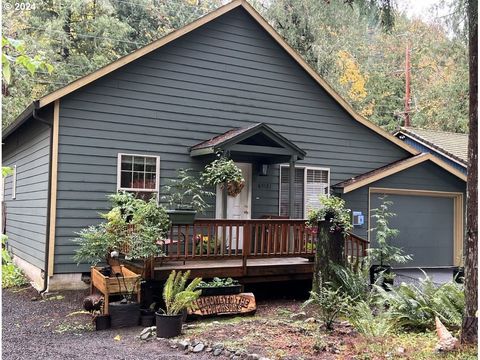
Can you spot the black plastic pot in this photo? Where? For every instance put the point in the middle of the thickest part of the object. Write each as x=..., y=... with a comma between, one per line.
x=106, y=271
x=102, y=322
x=376, y=271
x=221, y=290
x=124, y=314
x=182, y=216
x=147, y=317
x=168, y=326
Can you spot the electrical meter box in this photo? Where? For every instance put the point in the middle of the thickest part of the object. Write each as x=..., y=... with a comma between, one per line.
x=358, y=218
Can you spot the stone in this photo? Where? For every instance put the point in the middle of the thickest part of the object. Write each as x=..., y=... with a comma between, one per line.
x=311, y=320
x=146, y=335
x=145, y=331
x=264, y=358
x=190, y=348
x=198, y=348
x=253, y=357
x=217, y=352
x=226, y=352
x=218, y=346
x=183, y=344
x=208, y=349
x=236, y=357
x=298, y=316
x=400, y=350
x=238, y=353
x=154, y=329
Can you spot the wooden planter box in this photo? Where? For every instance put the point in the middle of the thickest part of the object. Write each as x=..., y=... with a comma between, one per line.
x=129, y=283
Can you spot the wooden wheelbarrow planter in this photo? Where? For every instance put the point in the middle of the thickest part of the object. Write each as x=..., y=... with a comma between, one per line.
x=129, y=283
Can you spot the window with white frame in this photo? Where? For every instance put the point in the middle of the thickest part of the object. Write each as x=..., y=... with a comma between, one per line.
x=139, y=173
x=310, y=184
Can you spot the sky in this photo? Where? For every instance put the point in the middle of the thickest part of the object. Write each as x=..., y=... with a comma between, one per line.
x=420, y=8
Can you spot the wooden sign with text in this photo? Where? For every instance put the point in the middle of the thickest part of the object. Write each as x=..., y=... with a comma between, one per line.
x=243, y=303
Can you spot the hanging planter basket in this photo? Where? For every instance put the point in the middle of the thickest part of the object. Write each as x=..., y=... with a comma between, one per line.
x=235, y=187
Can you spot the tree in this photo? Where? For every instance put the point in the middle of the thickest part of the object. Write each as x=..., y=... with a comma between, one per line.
x=470, y=321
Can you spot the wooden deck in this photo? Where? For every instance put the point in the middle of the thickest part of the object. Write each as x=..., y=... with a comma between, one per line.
x=256, y=250
x=257, y=270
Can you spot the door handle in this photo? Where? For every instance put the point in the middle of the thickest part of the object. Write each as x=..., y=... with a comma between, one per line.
x=245, y=212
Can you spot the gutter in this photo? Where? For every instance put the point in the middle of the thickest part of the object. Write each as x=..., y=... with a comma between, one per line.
x=49, y=197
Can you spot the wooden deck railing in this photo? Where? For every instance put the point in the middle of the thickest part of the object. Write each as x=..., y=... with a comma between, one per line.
x=209, y=239
x=218, y=238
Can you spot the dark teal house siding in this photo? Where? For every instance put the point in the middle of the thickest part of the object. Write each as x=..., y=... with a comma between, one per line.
x=424, y=176
x=26, y=215
x=228, y=73
x=420, y=147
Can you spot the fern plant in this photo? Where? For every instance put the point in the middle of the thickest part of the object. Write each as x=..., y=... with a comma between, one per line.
x=353, y=283
x=415, y=306
x=366, y=322
x=177, y=295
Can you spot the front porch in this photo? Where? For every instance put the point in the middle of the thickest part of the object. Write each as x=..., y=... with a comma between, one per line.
x=255, y=250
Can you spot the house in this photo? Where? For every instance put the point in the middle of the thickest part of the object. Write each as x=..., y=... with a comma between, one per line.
x=226, y=82
x=447, y=146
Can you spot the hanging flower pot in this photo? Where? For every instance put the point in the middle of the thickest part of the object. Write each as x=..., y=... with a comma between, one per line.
x=235, y=187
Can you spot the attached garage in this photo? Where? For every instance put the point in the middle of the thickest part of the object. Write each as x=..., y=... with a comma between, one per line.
x=428, y=200
x=429, y=224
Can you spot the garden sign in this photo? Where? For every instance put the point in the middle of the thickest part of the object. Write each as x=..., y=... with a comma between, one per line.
x=243, y=303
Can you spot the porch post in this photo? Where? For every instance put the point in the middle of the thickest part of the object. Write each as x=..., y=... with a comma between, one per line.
x=291, y=188
x=224, y=201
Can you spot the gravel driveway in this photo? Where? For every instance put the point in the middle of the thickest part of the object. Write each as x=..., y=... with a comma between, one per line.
x=47, y=329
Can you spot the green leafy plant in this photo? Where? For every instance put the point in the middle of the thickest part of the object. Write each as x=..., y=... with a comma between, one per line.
x=176, y=295
x=222, y=171
x=366, y=322
x=333, y=210
x=353, y=283
x=218, y=282
x=132, y=225
x=385, y=253
x=415, y=306
x=186, y=192
x=328, y=304
x=206, y=245
x=12, y=276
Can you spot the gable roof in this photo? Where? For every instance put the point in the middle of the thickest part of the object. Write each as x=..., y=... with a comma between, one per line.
x=393, y=168
x=87, y=79
x=233, y=137
x=449, y=144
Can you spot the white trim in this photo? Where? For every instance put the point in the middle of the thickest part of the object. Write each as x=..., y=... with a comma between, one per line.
x=14, y=182
x=306, y=168
x=157, y=173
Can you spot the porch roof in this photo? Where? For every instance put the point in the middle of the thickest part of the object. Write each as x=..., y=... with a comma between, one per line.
x=254, y=140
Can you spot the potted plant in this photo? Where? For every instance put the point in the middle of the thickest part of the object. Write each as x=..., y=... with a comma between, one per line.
x=224, y=172
x=219, y=286
x=131, y=227
x=206, y=245
x=384, y=255
x=185, y=197
x=177, y=297
x=147, y=316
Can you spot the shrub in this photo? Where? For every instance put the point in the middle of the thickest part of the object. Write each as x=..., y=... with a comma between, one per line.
x=176, y=295
x=328, y=304
x=367, y=323
x=415, y=306
x=353, y=283
x=333, y=209
x=12, y=276
x=186, y=192
x=385, y=253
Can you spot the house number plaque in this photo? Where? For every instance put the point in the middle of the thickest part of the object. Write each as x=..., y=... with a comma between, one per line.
x=225, y=304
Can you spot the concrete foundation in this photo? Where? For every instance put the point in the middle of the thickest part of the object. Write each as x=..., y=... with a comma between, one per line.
x=34, y=274
x=71, y=281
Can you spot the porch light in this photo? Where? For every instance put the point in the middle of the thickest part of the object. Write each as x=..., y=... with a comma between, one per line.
x=264, y=170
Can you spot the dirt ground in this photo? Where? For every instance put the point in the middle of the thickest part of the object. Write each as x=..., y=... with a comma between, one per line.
x=53, y=329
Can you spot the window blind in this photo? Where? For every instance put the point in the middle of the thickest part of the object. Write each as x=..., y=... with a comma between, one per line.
x=284, y=191
x=317, y=185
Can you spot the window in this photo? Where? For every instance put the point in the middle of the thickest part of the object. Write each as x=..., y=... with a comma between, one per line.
x=14, y=182
x=140, y=173
x=310, y=183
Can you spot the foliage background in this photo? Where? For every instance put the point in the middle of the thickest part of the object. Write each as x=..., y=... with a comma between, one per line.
x=347, y=44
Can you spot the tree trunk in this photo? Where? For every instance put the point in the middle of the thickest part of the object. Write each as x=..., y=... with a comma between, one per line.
x=469, y=325
x=330, y=250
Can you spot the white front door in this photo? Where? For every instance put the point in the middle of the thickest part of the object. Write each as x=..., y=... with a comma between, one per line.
x=238, y=207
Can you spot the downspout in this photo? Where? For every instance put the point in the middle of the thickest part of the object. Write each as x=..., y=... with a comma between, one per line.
x=47, y=232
